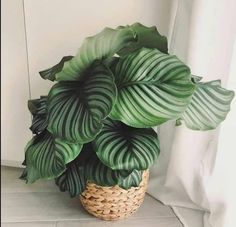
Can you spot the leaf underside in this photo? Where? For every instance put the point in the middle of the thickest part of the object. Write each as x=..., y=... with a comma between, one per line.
x=101, y=46
x=50, y=74
x=106, y=44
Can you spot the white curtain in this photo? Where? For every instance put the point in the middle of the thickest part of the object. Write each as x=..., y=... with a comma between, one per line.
x=190, y=174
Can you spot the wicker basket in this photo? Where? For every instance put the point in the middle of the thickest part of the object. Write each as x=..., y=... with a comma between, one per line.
x=113, y=203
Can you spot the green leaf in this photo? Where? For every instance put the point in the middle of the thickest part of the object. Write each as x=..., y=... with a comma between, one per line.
x=195, y=78
x=132, y=180
x=152, y=88
x=72, y=180
x=146, y=37
x=38, y=109
x=101, y=46
x=23, y=175
x=30, y=174
x=37, y=106
x=76, y=109
x=96, y=171
x=48, y=156
x=209, y=106
x=87, y=167
x=121, y=147
x=50, y=73
x=102, y=175
x=178, y=122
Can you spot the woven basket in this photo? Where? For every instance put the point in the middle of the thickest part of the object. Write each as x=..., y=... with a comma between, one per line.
x=113, y=203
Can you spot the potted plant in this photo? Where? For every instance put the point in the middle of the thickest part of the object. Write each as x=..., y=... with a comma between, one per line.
x=93, y=131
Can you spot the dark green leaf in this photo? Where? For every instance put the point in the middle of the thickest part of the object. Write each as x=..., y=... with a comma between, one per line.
x=38, y=109
x=23, y=175
x=178, y=122
x=195, y=79
x=76, y=109
x=146, y=37
x=125, y=148
x=102, y=175
x=72, y=180
x=48, y=156
x=87, y=167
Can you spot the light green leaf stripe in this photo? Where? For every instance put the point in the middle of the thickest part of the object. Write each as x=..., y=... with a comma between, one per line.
x=38, y=109
x=209, y=106
x=152, y=88
x=48, y=155
x=102, y=45
x=76, y=109
x=121, y=147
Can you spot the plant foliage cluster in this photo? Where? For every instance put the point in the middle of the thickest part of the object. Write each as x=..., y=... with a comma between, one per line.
x=96, y=121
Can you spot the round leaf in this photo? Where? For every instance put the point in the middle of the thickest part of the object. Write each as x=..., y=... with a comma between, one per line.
x=121, y=147
x=76, y=109
x=152, y=88
x=48, y=155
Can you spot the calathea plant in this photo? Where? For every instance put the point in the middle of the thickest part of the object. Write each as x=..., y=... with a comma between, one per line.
x=96, y=122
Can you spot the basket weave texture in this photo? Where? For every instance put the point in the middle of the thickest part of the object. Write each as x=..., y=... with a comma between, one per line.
x=113, y=203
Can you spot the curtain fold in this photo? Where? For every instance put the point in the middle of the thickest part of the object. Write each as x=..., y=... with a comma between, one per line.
x=202, y=35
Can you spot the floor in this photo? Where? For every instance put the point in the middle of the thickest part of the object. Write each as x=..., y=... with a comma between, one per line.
x=42, y=205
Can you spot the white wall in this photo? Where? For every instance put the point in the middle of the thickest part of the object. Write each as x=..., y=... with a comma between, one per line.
x=15, y=118
x=54, y=28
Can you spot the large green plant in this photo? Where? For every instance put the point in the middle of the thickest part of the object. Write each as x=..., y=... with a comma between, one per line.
x=95, y=123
